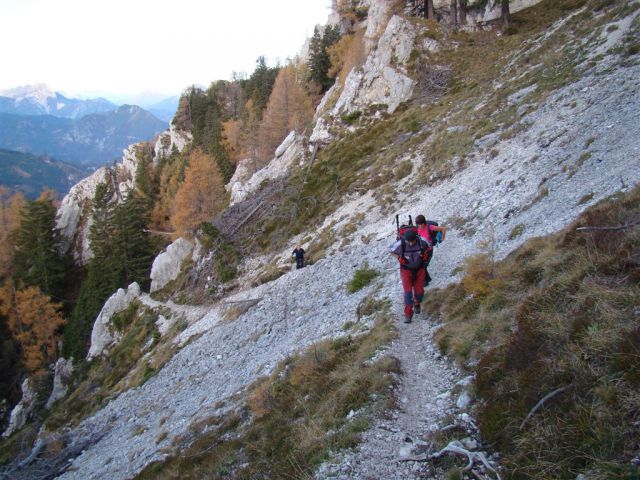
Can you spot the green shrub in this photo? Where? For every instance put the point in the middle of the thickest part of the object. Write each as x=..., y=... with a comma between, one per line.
x=361, y=278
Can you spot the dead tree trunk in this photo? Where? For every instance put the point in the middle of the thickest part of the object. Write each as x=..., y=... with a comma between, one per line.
x=462, y=7
x=454, y=13
x=505, y=14
x=428, y=10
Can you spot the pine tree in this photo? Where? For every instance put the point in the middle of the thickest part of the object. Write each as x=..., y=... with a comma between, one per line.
x=319, y=61
x=36, y=260
x=132, y=250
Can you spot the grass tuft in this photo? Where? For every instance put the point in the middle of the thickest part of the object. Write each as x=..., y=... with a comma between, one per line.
x=561, y=312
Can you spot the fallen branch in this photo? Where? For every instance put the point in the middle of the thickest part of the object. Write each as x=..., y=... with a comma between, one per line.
x=457, y=448
x=611, y=228
x=548, y=396
x=472, y=457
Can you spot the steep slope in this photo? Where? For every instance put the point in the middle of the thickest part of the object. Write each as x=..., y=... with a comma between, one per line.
x=534, y=130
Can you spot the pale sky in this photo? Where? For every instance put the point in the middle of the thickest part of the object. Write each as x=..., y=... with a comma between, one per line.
x=121, y=47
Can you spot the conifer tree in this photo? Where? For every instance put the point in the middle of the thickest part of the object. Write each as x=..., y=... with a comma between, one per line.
x=36, y=260
x=133, y=252
x=319, y=62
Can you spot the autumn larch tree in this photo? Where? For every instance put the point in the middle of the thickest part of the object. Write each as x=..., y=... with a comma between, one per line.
x=34, y=322
x=200, y=197
x=289, y=108
x=10, y=210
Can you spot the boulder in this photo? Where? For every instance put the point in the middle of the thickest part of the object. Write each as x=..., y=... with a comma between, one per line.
x=167, y=265
x=20, y=414
x=102, y=335
x=61, y=380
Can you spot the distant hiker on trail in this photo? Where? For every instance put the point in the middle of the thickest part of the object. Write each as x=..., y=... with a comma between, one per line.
x=299, y=254
x=411, y=252
x=433, y=234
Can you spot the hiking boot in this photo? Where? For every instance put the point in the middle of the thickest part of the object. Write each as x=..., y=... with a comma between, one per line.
x=407, y=318
x=416, y=308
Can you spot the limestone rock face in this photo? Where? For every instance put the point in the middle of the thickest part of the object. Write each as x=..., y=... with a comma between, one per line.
x=74, y=215
x=289, y=151
x=166, y=266
x=486, y=13
x=62, y=377
x=102, y=335
x=383, y=78
x=21, y=412
x=72, y=211
x=169, y=139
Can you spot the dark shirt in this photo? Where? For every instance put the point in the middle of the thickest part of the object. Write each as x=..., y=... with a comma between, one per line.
x=299, y=253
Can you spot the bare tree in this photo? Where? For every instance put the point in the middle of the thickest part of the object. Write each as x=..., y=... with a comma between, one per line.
x=428, y=10
x=454, y=13
x=462, y=7
x=505, y=13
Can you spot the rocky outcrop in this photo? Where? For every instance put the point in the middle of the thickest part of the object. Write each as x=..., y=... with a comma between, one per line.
x=169, y=140
x=289, y=151
x=61, y=380
x=167, y=265
x=74, y=215
x=482, y=11
x=103, y=335
x=382, y=80
x=20, y=414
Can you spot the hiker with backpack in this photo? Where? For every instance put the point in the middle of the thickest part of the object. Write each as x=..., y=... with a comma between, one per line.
x=298, y=252
x=433, y=234
x=411, y=251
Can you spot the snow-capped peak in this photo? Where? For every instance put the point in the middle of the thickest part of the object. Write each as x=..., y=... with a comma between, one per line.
x=38, y=93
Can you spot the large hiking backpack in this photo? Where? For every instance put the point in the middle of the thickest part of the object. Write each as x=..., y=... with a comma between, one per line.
x=402, y=229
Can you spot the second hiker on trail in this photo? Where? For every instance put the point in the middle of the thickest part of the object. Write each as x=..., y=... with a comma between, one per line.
x=411, y=252
x=298, y=252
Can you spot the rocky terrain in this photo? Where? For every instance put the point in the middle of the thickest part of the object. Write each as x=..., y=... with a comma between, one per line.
x=577, y=145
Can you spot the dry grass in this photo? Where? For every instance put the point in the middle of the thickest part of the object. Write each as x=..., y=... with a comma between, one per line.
x=561, y=311
x=296, y=416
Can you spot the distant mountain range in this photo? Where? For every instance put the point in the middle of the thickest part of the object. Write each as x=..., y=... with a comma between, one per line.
x=94, y=139
x=30, y=174
x=165, y=109
x=40, y=100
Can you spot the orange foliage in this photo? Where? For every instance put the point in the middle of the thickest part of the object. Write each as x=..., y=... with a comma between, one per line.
x=34, y=322
x=231, y=130
x=346, y=54
x=200, y=197
x=10, y=208
x=289, y=108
